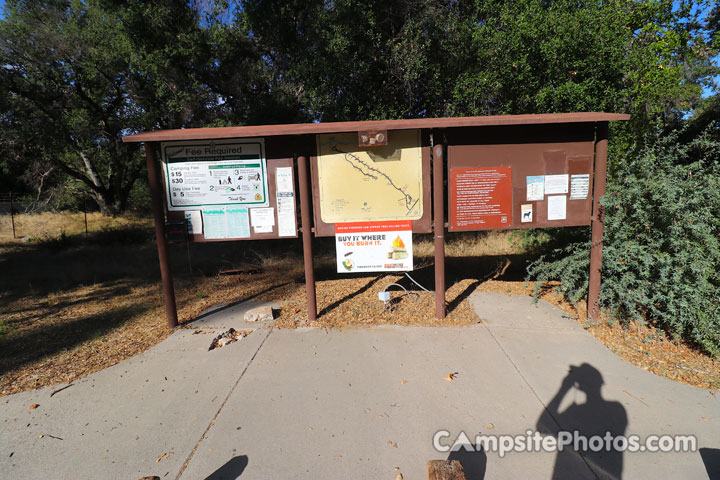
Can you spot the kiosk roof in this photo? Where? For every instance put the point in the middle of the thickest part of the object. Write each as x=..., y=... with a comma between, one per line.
x=338, y=127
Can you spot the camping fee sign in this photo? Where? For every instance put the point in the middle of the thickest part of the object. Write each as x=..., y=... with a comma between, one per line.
x=214, y=174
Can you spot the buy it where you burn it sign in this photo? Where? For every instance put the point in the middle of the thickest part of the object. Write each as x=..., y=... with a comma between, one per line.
x=374, y=246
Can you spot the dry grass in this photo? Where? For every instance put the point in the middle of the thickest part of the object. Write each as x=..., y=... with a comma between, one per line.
x=75, y=304
x=39, y=226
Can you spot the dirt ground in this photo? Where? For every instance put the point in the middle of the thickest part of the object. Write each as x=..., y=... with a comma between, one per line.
x=76, y=304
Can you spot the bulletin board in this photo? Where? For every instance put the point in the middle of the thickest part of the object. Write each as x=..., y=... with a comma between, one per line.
x=231, y=189
x=371, y=184
x=531, y=176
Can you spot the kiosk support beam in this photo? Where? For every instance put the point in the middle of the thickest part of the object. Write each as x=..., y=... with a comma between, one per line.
x=598, y=219
x=303, y=181
x=439, y=230
x=154, y=179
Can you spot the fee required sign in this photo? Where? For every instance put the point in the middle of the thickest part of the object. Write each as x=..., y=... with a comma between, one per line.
x=215, y=174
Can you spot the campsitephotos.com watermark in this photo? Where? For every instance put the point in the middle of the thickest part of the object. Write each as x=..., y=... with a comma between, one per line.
x=534, y=441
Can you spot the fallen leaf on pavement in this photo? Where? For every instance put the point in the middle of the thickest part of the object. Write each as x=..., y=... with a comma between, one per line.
x=403, y=382
x=161, y=457
x=490, y=426
x=34, y=406
x=451, y=376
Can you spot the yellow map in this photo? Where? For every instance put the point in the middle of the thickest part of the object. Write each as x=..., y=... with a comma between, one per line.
x=363, y=184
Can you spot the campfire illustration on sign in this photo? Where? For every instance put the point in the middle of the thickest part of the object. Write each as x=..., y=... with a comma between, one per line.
x=398, y=250
x=347, y=263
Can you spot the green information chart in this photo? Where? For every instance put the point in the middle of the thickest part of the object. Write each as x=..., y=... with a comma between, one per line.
x=217, y=174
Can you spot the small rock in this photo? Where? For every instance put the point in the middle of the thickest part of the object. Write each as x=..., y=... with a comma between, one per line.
x=259, y=314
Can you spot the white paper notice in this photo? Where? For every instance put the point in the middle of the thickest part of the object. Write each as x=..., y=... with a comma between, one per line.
x=286, y=214
x=535, y=188
x=283, y=180
x=579, y=186
x=238, y=223
x=557, y=207
x=194, y=221
x=526, y=211
x=556, y=184
x=231, y=222
x=214, y=223
x=285, y=198
x=262, y=219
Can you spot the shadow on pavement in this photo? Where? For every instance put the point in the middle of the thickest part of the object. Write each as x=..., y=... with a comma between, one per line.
x=232, y=469
x=592, y=419
x=473, y=460
x=711, y=459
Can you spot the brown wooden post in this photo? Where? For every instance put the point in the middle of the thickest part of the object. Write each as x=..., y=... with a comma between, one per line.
x=155, y=181
x=439, y=229
x=85, y=213
x=12, y=214
x=598, y=218
x=303, y=180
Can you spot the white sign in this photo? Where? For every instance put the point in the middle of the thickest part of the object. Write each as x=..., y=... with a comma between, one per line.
x=285, y=200
x=579, y=186
x=215, y=174
x=526, y=213
x=535, y=188
x=556, y=184
x=374, y=246
x=262, y=219
x=557, y=207
x=229, y=222
x=194, y=222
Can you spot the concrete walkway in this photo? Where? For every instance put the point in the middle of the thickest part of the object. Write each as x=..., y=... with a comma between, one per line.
x=359, y=403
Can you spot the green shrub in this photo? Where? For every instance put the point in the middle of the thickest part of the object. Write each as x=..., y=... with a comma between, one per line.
x=661, y=251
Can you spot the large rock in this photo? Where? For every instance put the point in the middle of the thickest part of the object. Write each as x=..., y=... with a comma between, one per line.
x=259, y=314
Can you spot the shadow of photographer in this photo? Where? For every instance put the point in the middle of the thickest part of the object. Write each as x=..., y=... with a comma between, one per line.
x=593, y=424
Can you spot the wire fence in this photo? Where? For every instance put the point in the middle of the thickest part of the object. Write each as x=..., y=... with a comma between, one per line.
x=21, y=218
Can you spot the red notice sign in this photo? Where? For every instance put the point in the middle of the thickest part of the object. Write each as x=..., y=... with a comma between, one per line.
x=480, y=198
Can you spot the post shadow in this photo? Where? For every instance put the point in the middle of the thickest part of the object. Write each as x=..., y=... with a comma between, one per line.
x=594, y=417
x=232, y=469
x=711, y=459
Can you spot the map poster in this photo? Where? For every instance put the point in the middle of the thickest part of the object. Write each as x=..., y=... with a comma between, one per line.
x=374, y=246
x=480, y=198
x=216, y=174
x=364, y=184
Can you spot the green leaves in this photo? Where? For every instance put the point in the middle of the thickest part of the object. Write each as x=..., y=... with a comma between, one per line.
x=661, y=253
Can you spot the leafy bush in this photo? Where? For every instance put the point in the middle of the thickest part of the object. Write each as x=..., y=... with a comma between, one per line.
x=661, y=253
